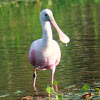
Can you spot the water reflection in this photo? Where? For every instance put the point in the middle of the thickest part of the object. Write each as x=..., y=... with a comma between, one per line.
x=20, y=26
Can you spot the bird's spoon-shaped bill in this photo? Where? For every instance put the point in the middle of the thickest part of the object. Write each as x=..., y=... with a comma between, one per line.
x=63, y=38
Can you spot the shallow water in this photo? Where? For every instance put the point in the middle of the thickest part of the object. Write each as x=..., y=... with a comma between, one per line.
x=20, y=26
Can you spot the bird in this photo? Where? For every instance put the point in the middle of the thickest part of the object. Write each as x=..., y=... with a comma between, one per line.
x=45, y=53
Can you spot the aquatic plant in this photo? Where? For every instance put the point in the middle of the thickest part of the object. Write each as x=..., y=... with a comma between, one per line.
x=90, y=93
x=50, y=91
x=86, y=92
x=85, y=87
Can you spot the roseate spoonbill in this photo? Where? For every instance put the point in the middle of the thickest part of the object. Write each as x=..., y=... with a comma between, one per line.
x=45, y=53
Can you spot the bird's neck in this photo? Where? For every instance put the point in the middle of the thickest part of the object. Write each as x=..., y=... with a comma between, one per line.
x=47, y=32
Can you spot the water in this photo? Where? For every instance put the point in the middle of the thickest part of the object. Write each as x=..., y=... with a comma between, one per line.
x=20, y=26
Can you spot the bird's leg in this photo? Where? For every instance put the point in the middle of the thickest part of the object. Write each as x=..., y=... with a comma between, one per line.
x=34, y=79
x=56, y=87
x=52, y=76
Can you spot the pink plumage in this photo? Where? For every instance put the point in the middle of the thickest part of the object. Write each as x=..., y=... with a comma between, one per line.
x=45, y=53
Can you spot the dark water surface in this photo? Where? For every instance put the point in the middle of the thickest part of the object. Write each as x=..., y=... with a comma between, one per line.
x=20, y=26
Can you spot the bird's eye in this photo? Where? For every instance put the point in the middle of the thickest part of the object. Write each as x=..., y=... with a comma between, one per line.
x=46, y=15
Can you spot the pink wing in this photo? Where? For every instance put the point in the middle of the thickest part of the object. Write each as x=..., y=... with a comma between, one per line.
x=32, y=51
x=58, y=58
x=31, y=56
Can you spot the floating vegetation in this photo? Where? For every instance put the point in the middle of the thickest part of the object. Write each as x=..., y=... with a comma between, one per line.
x=15, y=93
x=85, y=87
x=5, y=95
x=86, y=92
x=19, y=92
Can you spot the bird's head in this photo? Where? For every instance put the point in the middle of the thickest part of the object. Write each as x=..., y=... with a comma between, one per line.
x=47, y=15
